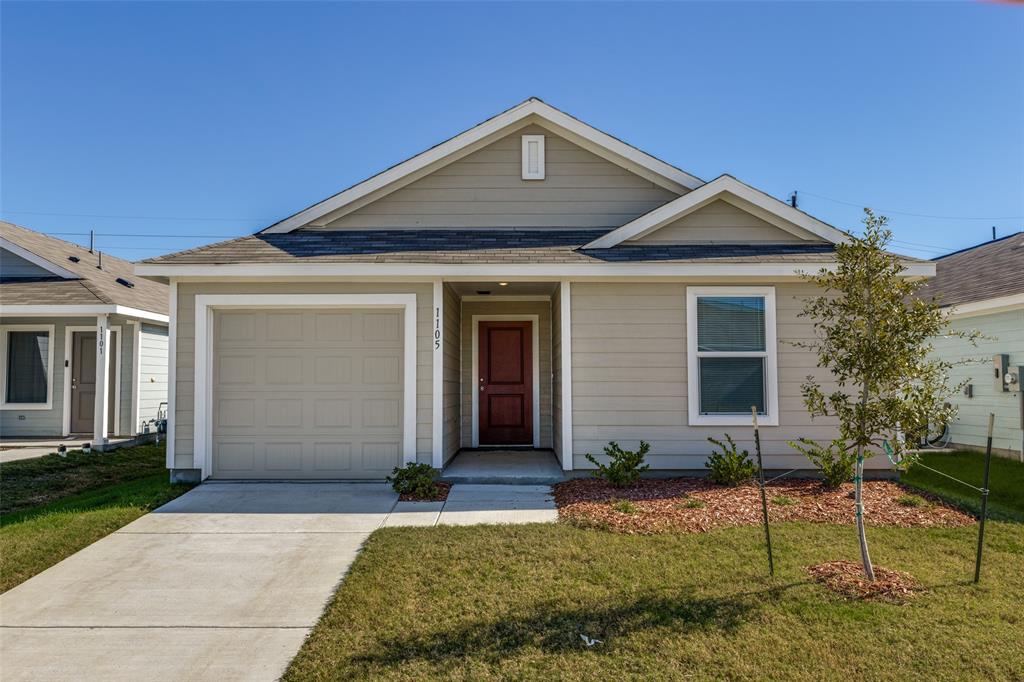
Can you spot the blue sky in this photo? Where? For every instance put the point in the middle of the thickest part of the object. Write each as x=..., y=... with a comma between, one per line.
x=182, y=123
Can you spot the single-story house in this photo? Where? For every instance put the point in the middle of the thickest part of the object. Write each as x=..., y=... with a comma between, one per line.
x=982, y=288
x=83, y=342
x=531, y=282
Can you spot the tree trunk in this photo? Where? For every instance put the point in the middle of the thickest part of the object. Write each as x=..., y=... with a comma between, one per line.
x=858, y=482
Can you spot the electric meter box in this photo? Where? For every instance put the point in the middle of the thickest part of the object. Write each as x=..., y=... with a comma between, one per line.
x=1002, y=365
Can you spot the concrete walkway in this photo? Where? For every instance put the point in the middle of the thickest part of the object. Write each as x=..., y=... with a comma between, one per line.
x=224, y=583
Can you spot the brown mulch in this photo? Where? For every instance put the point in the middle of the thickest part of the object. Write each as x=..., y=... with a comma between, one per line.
x=847, y=579
x=442, y=494
x=660, y=505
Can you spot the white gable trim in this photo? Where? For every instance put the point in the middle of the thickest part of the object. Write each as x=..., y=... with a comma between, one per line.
x=530, y=111
x=987, y=306
x=721, y=188
x=36, y=259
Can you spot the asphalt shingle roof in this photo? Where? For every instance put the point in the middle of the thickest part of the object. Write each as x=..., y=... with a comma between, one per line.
x=475, y=247
x=989, y=270
x=93, y=287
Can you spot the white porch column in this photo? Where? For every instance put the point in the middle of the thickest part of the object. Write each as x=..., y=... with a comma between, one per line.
x=565, y=319
x=437, y=353
x=102, y=408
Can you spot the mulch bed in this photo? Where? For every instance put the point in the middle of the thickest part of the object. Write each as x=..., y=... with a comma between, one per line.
x=661, y=505
x=442, y=494
x=847, y=579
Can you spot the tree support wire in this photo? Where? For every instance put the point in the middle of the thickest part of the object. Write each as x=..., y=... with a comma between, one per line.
x=764, y=499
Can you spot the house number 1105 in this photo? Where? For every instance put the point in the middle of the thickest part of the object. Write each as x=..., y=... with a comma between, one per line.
x=437, y=328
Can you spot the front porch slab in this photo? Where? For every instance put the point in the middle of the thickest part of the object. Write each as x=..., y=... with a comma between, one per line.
x=515, y=467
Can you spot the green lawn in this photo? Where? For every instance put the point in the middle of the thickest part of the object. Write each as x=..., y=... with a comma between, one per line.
x=491, y=602
x=85, y=497
x=1006, y=482
x=29, y=483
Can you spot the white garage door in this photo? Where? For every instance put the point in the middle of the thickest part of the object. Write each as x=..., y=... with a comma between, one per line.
x=307, y=393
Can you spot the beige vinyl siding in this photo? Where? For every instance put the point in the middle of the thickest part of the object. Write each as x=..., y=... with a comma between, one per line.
x=185, y=349
x=556, y=371
x=630, y=381
x=720, y=221
x=452, y=372
x=152, y=371
x=1006, y=332
x=540, y=308
x=486, y=189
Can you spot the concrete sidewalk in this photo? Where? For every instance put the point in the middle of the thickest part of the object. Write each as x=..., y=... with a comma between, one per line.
x=223, y=583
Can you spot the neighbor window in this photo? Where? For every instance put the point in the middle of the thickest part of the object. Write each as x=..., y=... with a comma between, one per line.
x=731, y=344
x=28, y=365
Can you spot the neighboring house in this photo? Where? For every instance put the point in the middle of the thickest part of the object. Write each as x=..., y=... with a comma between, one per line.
x=983, y=288
x=532, y=281
x=56, y=300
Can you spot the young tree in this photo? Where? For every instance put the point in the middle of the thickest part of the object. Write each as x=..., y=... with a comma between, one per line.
x=873, y=334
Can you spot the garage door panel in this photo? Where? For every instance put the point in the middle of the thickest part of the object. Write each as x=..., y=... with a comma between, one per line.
x=332, y=457
x=307, y=394
x=381, y=457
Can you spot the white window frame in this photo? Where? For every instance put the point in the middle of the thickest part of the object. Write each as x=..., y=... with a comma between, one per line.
x=770, y=354
x=539, y=173
x=4, y=331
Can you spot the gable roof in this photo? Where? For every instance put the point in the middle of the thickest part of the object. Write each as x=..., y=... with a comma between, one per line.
x=980, y=273
x=529, y=112
x=766, y=207
x=74, y=284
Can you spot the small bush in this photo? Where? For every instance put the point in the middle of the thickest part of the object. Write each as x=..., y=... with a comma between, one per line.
x=783, y=501
x=624, y=506
x=912, y=501
x=730, y=466
x=835, y=461
x=692, y=503
x=625, y=467
x=414, y=480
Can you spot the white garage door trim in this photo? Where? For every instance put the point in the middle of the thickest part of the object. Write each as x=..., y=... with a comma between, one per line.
x=207, y=303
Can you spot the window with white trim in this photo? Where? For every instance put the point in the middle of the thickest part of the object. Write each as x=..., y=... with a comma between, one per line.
x=533, y=157
x=26, y=353
x=732, y=358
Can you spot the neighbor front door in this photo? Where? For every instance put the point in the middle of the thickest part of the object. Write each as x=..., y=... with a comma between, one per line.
x=505, y=383
x=83, y=381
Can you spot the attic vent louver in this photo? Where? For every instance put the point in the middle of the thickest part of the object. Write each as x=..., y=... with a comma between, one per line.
x=73, y=259
x=533, y=157
x=125, y=283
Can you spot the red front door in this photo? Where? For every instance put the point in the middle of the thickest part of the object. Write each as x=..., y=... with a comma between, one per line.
x=505, y=384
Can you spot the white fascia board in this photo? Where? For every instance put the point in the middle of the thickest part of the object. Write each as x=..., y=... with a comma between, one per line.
x=38, y=260
x=437, y=154
x=494, y=272
x=702, y=196
x=989, y=306
x=80, y=311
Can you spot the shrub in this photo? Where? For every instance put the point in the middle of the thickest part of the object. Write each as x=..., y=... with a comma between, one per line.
x=835, y=461
x=623, y=506
x=692, y=503
x=730, y=466
x=912, y=501
x=415, y=480
x=625, y=466
x=783, y=501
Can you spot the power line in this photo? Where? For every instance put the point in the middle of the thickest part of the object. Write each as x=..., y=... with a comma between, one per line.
x=916, y=215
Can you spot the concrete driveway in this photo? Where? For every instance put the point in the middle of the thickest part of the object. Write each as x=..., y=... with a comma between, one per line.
x=221, y=584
